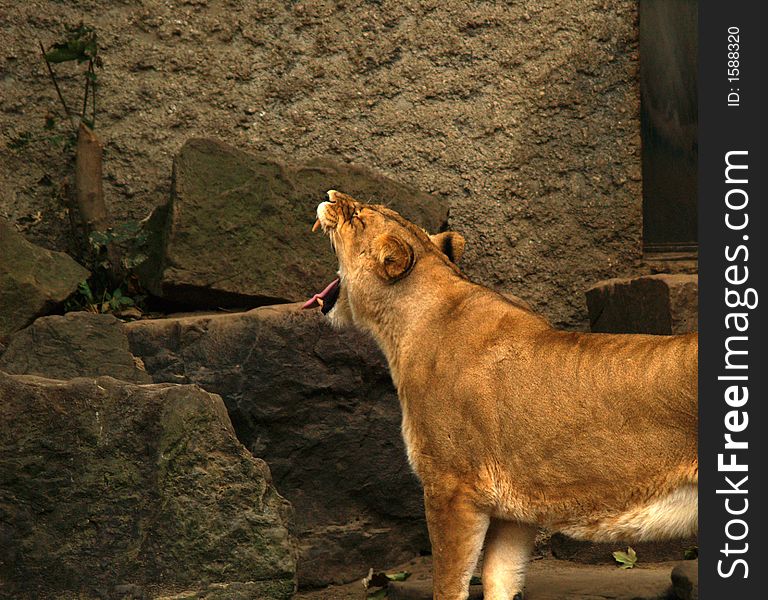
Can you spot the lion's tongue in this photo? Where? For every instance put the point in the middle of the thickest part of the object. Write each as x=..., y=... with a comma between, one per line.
x=319, y=299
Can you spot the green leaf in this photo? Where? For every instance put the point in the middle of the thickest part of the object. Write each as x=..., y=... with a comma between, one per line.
x=691, y=553
x=85, y=290
x=399, y=576
x=63, y=53
x=626, y=560
x=380, y=593
x=127, y=229
x=126, y=301
x=79, y=45
x=132, y=261
x=99, y=238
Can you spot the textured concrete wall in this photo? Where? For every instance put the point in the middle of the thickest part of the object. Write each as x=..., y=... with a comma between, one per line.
x=525, y=116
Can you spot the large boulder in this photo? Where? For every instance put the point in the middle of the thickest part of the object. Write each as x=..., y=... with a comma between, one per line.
x=33, y=280
x=110, y=489
x=236, y=231
x=658, y=304
x=319, y=406
x=78, y=344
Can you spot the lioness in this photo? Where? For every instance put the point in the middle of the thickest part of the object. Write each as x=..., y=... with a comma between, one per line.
x=509, y=423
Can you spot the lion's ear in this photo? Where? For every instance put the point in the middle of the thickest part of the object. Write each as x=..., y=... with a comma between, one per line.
x=450, y=243
x=394, y=256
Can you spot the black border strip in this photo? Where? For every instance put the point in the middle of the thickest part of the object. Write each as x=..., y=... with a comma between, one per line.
x=724, y=128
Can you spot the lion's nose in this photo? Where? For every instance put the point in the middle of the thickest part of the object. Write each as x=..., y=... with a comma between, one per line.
x=322, y=217
x=321, y=210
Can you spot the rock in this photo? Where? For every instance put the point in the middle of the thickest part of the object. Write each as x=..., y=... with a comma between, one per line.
x=319, y=406
x=108, y=486
x=248, y=590
x=685, y=580
x=33, y=280
x=129, y=591
x=78, y=344
x=236, y=232
x=565, y=548
x=657, y=304
x=559, y=580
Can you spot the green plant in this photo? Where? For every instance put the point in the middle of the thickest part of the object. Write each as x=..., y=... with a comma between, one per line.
x=79, y=45
x=691, y=553
x=111, y=252
x=100, y=294
x=101, y=301
x=626, y=560
x=130, y=237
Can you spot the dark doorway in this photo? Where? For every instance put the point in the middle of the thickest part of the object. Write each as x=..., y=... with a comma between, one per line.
x=669, y=121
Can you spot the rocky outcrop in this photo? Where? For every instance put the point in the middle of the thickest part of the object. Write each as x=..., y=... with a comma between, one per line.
x=237, y=229
x=78, y=344
x=33, y=280
x=110, y=489
x=318, y=405
x=659, y=304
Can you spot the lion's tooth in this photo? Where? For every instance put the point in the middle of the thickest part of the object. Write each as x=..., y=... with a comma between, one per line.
x=316, y=226
x=320, y=302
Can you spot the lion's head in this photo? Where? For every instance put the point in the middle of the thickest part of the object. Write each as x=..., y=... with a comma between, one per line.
x=379, y=254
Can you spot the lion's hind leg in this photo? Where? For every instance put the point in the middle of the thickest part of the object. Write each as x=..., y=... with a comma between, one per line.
x=508, y=546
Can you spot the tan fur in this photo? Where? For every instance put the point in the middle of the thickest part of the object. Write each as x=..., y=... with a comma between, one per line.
x=509, y=423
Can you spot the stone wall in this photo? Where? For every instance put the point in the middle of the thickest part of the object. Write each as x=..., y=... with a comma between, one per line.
x=523, y=117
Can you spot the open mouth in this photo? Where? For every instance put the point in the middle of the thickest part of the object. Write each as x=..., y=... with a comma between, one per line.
x=325, y=299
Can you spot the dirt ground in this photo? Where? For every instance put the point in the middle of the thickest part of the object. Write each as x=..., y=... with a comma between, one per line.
x=524, y=116
x=547, y=579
